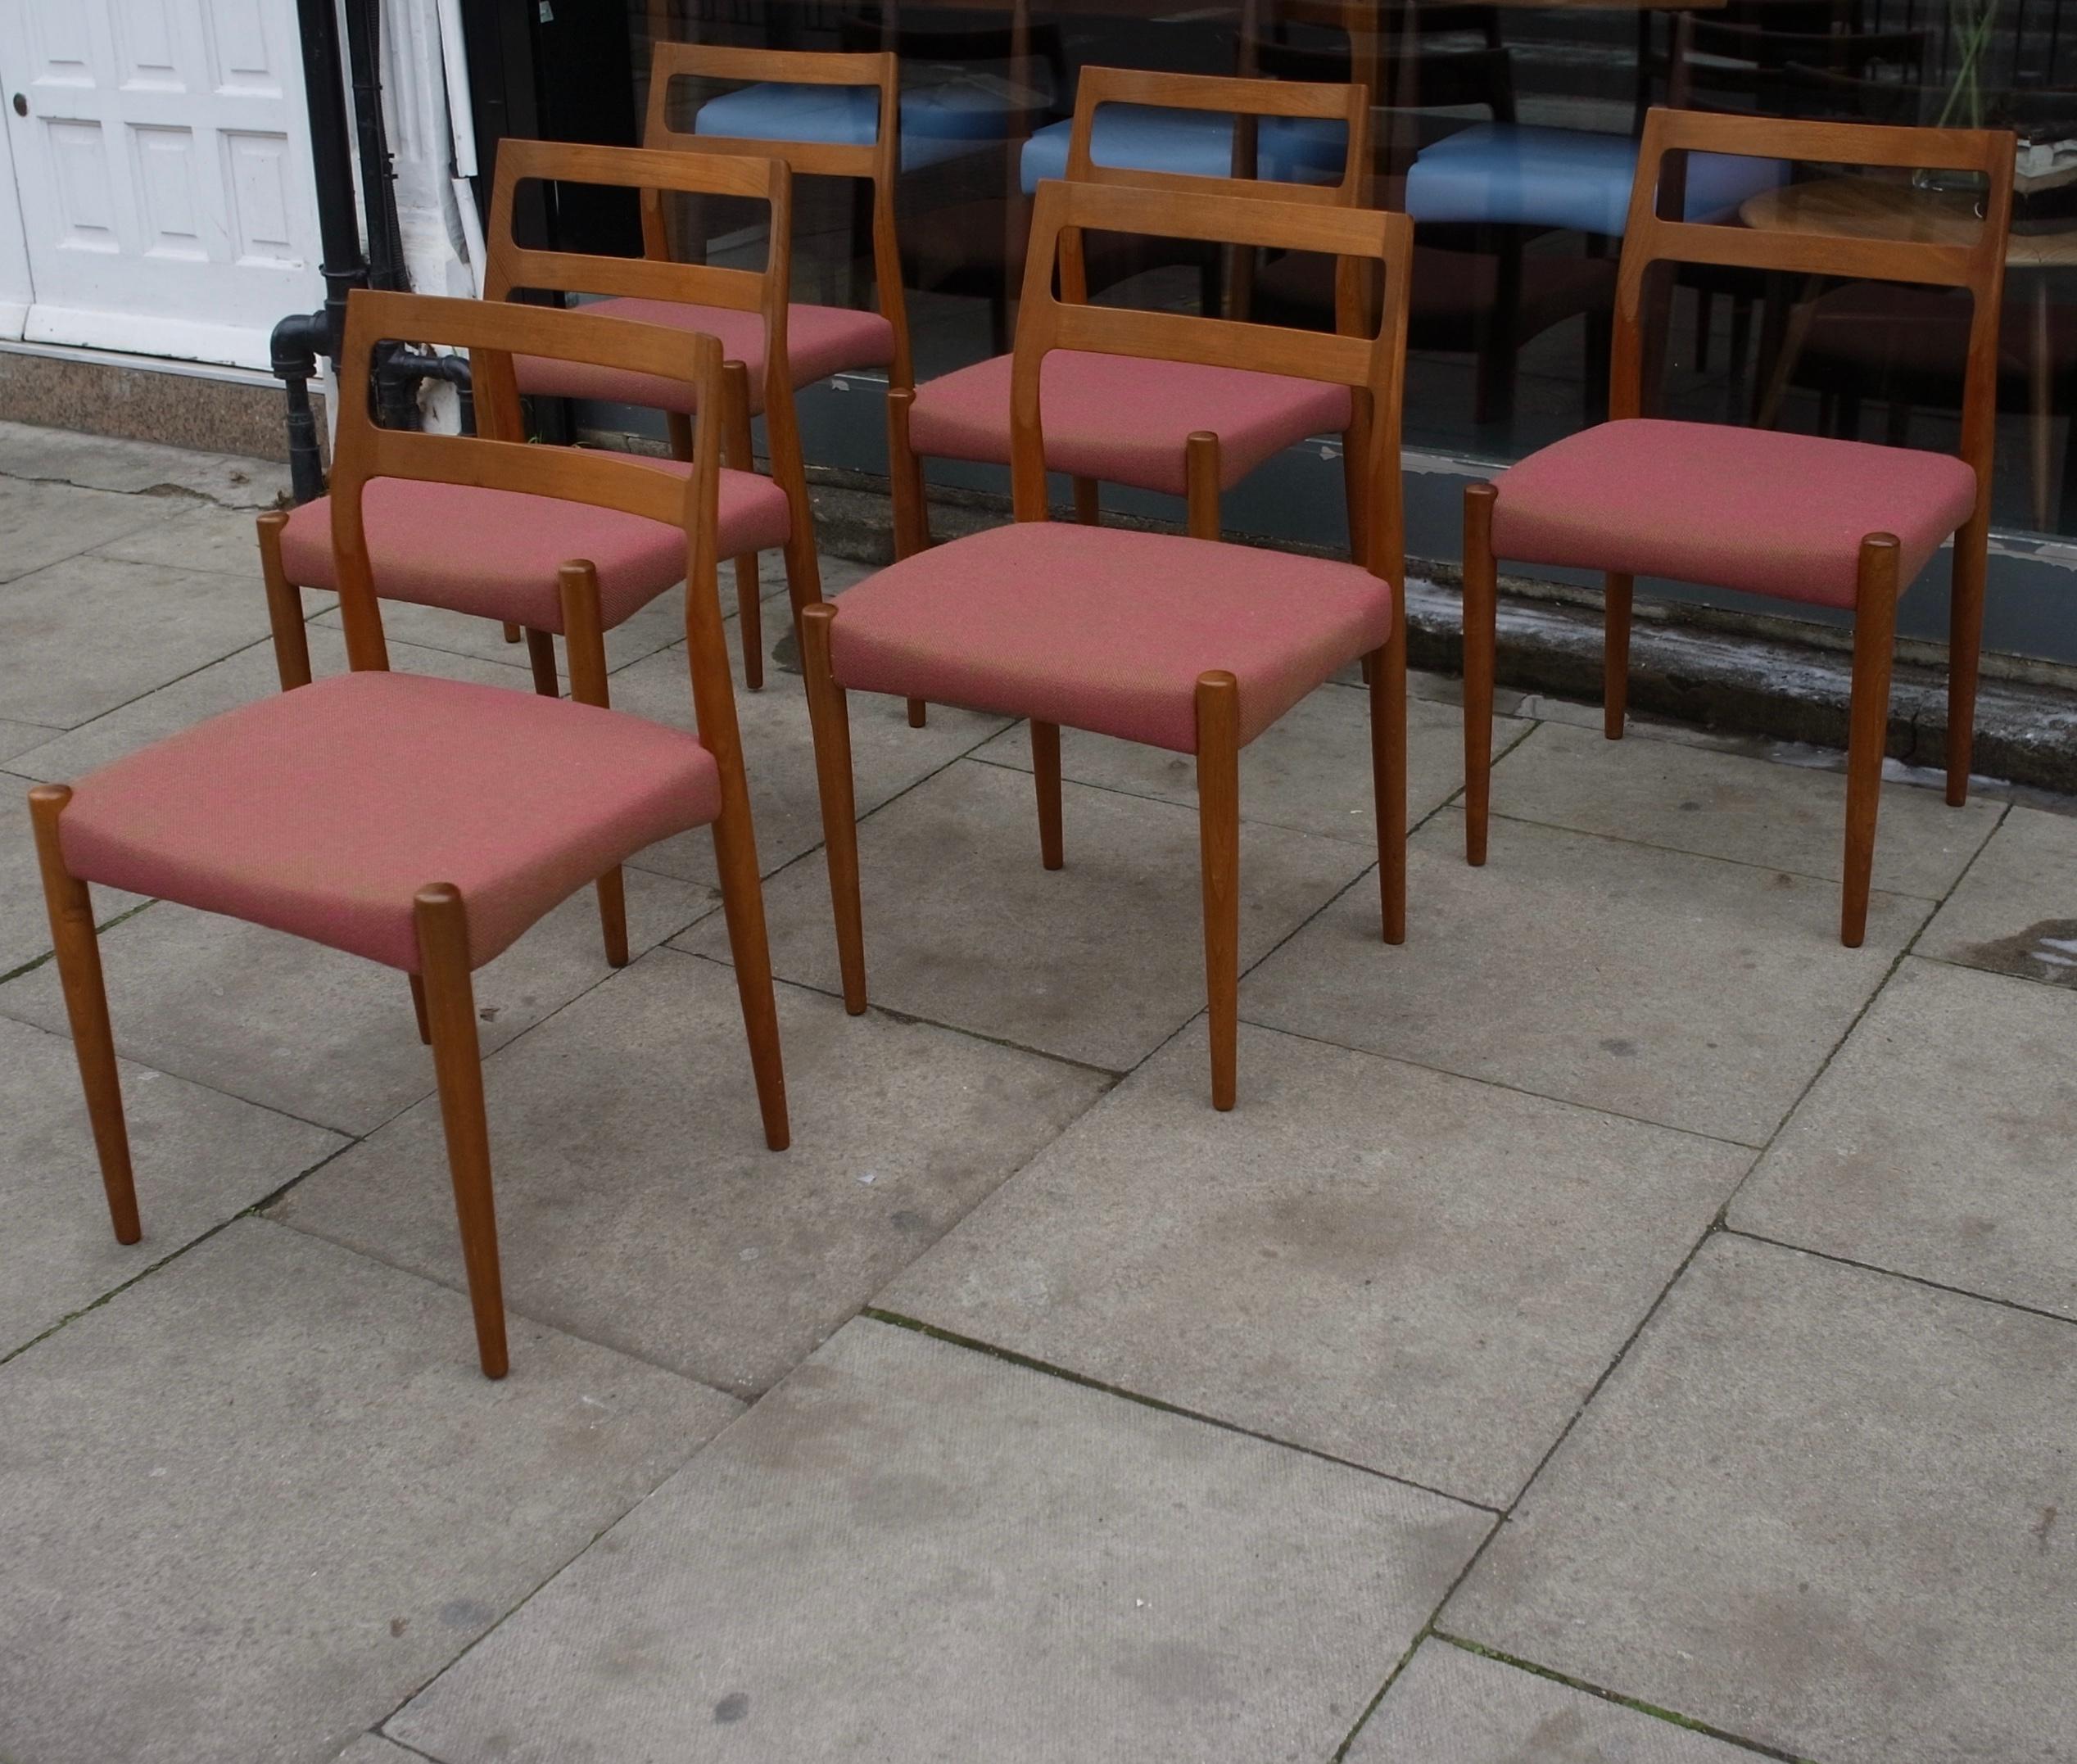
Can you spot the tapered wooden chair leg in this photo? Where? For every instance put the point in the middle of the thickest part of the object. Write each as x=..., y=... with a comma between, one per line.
x=828, y=716
x=541, y=658
x=1200, y=476
x=458, y=1063
x=1089, y=501
x=418, y=1009
x=512, y=633
x=86, y=1006
x=1615, y=656
x=739, y=455
x=735, y=855
x=1965, y=640
x=284, y=606
x=911, y=512
x=1045, y=771
x=1388, y=775
x=1355, y=453
x=678, y=427
x=584, y=640
x=1875, y=635
x=1480, y=596
x=749, y=622
x=1219, y=839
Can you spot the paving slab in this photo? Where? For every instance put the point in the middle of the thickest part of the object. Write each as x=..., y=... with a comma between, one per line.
x=19, y=737
x=1101, y=961
x=1450, y=1706
x=323, y=1036
x=949, y=1557
x=40, y=523
x=1407, y=1270
x=1310, y=770
x=1701, y=994
x=201, y=536
x=86, y=633
x=1940, y=1141
x=1818, y=1507
x=2015, y=912
x=1728, y=805
x=637, y=1204
x=25, y=919
x=372, y=1748
x=887, y=757
x=200, y=1157
x=254, y=1501
x=180, y=476
x=238, y=679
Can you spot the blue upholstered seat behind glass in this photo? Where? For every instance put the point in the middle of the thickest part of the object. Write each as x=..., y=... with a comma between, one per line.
x=1146, y=138
x=940, y=120
x=1523, y=174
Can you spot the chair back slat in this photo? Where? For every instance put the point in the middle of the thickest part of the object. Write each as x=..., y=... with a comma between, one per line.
x=1977, y=264
x=1372, y=366
x=876, y=162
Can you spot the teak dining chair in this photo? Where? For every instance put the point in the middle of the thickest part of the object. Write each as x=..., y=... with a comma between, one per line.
x=1838, y=523
x=1187, y=428
x=439, y=545
x=1182, y=643
x=426, y=823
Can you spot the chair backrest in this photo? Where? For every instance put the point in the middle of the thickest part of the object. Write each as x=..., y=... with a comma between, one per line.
x=493, y=332
x=654, y=173
x=1248, y=101
x=1953, y=251
x=1372, y=367
x=874, y=162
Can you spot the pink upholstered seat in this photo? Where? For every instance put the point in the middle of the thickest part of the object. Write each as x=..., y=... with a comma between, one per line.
x=322, y=812
x=495, y=552
x=1125, y=420
x=1106, y=629
x=820, y=341
x=1735, y=508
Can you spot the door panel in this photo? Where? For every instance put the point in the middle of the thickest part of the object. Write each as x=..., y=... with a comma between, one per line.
x=162, y=173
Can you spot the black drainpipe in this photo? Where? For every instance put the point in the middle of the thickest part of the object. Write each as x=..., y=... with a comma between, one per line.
x=300, y=338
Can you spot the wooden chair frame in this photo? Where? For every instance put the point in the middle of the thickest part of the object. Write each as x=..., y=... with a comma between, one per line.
x=653, y=173
x=1371, y=365
x=876, y=163
x=510, y=267
x=442, y=989
x=1652, y=238
x=1247, y=101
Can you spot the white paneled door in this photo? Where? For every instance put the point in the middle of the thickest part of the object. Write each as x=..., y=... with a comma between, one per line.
x=160, y=174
